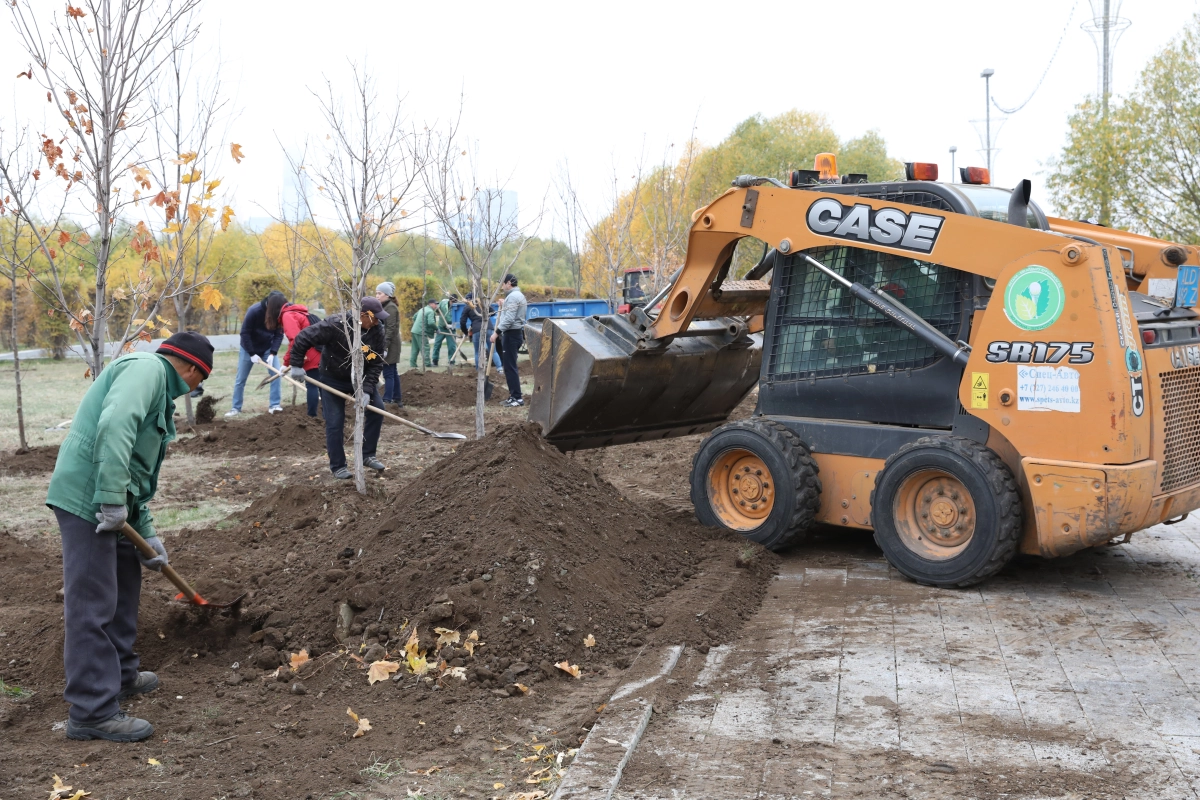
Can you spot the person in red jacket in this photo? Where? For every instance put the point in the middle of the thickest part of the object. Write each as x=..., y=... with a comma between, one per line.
x=293, y=317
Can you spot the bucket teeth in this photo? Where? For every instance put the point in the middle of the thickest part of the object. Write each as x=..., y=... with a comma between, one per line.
x=596, y=383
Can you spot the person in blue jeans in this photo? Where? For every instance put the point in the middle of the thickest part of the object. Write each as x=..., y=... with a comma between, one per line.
x=510, y=335
x=261, y=336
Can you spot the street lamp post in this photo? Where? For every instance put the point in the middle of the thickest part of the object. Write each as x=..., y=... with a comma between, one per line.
x=987, y=104
x=953, y=172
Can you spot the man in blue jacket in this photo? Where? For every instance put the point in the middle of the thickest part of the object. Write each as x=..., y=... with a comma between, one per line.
x=262, y=334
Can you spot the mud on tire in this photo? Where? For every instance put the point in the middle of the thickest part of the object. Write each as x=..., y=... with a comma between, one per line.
x=918, y=538
x=796, y=492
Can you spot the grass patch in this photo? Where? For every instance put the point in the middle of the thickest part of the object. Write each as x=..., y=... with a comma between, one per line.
x=381, y=770
x=51, y=391
x=205, y=514
x=14, y=692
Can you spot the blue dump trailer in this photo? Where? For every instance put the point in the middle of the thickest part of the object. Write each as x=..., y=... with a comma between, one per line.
x=552, y=308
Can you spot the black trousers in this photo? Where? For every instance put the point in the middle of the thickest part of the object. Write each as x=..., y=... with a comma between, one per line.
x=334, y=408
x=102, y=585
x=507, y=344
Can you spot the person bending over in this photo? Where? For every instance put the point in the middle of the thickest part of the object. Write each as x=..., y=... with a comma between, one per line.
x=106, y=472
x=336, y=364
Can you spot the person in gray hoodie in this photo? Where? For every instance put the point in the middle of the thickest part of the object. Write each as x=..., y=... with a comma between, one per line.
x=510, y=335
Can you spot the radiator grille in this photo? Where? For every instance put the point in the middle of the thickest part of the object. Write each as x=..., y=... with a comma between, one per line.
x=1181, y=427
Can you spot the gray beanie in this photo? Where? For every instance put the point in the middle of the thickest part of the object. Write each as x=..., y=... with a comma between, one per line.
x=387, y=287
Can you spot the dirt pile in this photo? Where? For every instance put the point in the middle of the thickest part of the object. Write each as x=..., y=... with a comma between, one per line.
x=291, y=430
x=507, y=536
x=32, y=461
x=438, y=388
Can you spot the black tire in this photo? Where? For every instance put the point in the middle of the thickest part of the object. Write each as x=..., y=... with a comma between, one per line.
x=996, y=508
x=791, y=467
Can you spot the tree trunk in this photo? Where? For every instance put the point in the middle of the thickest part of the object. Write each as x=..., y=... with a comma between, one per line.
x=181, y=313
x=356, y=379
x=17, y=366
x=481, y=368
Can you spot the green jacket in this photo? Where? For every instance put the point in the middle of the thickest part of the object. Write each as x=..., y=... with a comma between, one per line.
x=391, y=331
x=424, y=322
x=118, y=440
x=443, y=316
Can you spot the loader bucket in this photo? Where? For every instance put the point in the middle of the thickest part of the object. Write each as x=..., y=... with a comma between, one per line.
x=594, y=385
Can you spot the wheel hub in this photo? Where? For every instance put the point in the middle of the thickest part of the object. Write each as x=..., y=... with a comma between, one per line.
x=741, y=489
x=934, y=514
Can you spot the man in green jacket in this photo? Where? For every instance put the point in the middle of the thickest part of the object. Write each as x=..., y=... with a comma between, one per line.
x=424, y=326
x=444, y=330
x=107, y=471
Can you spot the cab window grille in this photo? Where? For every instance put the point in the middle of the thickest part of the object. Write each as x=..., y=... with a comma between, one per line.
x=912, y=198
x=821, y=330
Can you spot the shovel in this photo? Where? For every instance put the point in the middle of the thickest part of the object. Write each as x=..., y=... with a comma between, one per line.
x=185, y=591
x=380, y=412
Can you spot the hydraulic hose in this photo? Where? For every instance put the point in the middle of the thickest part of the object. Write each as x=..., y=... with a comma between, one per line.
x=902, y=315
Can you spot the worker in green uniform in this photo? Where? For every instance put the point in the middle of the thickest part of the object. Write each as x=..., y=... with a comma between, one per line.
x=106, y=472
x=424, y=326
x=445, y=331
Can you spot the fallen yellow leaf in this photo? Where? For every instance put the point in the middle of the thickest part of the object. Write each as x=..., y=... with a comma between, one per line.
x=381, y=671
x=497, y=785
x=364, y=724
x=415, y=657
x=569, y=668
x=446, y=636
x=472, y=642
x=524, y=689
x=154, y=762
x=527, y=759
x=298, y=660
x=590, y=641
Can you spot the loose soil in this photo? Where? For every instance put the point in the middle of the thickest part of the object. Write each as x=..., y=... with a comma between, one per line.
x=206, y=409
x=507, y=537
x=438, y=388
x=32, y=461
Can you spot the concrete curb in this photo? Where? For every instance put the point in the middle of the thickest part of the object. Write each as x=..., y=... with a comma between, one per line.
x=604, y=754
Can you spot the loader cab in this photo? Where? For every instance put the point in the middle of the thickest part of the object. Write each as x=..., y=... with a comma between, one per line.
x=635, y=284
x=828, y=356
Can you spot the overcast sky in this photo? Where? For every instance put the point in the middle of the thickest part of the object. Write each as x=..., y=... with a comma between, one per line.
x=604, y=85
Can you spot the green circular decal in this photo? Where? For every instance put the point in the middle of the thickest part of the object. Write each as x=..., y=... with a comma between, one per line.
x=1034, y=298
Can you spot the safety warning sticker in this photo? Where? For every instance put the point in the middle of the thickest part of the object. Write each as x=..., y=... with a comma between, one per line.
x=1048, y=389
x=979, y=389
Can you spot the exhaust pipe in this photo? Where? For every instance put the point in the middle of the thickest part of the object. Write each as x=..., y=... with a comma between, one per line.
x=1018, y=204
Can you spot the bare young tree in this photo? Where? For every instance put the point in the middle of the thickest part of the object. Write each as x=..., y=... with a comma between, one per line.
x=570, y=219
x=364, y=173
x=611, y=237
x=665, y=213
x=477, y=222
x=96, y=63
x=187, y=126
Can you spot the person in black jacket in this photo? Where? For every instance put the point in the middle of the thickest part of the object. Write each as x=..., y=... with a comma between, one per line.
x=335, y=370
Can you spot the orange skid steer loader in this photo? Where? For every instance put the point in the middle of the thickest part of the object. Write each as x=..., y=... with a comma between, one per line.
x=933, y=363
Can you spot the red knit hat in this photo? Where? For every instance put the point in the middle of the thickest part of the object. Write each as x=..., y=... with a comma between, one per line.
x=195, y=348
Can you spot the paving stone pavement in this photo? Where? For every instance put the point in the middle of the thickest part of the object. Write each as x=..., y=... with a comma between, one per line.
x=1073, y=678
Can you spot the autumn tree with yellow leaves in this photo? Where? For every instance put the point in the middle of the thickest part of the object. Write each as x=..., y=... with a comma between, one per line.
x=647, y=224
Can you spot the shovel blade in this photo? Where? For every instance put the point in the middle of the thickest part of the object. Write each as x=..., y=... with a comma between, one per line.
x=595, y=386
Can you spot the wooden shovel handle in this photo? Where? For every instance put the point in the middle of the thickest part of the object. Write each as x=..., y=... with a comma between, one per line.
x=174, y=577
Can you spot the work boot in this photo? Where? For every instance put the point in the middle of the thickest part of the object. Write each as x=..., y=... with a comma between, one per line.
x=118, y=728
x=374, y=463
x=144, y=683
x=343, y=474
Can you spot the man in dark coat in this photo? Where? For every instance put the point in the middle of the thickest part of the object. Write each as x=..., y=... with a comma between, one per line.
x=106, y=472
x=336, y=366
x=385, y=293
